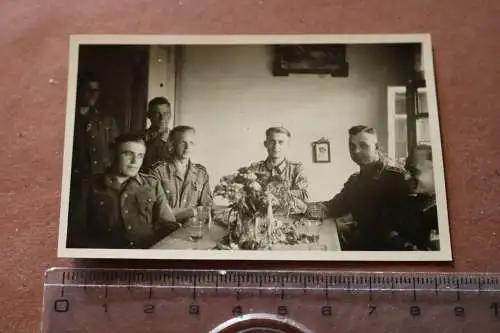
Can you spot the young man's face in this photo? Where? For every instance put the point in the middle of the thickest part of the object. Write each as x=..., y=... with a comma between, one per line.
x=160, y=117
x=277, y=145
x=183, y=144
x=91, y=92
x=363, y=148
x=130, y=157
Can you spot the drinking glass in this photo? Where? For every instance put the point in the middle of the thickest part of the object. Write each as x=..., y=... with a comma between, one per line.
x=197, y=226
x=317, y=211
x=314, y=227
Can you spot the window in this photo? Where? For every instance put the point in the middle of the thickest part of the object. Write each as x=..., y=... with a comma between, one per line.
x=397, y=127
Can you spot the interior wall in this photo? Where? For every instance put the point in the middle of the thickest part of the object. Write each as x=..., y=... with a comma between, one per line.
x=229, y=95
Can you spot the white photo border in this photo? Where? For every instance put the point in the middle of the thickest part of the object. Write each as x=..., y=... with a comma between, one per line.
x=445, y=252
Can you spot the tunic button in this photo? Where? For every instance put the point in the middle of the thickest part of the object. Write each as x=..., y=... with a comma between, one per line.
x=95, y=162
x=125, y=212
x=129, y=227
x=93, y=150
x=101, y=203
x=125, y=195
x=109, y=229
x=149, y=200
x=131, y=243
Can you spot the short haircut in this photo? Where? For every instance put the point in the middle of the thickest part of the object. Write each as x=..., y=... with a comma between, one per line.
x=158, y=101
x=362, y=129
x=279, y=129
x=128, y=137
x=179, y=130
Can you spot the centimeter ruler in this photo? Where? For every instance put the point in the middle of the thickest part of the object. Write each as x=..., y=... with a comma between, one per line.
x=135, y=301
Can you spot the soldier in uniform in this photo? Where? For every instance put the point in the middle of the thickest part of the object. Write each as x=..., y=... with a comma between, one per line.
x=94, y=131
x=421, y=225
x=375, y=197
x=123, y=208
x=156, y=136
x=185, y=183
x=277, y=143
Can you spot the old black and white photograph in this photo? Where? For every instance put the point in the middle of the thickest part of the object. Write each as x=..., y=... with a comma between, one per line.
x=242, y=147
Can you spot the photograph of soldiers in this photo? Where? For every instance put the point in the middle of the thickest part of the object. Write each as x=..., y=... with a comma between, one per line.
x=343, y=159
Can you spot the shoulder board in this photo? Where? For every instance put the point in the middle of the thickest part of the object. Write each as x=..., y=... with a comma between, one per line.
x=158, y=164
x=352, y=177
x=297, y=163
x=199, y=166
x=395, y=169
x=256, y=164
x=149, y=178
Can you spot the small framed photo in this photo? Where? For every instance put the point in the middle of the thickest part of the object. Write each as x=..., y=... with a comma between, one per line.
x=321, y=151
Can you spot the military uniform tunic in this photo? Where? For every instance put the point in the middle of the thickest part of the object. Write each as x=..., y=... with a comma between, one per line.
x=291, y=172
x=187, y=191
x=133, y=215
x=157, y=150
x=376, y=198
x=94, y=133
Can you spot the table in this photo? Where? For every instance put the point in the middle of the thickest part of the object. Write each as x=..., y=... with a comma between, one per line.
x=179, y=239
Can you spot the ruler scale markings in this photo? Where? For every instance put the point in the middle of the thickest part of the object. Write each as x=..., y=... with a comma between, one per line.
x=217, y=277
x=194, y=289
x=238, y=288
x=282, y=287
x=370, y=295
x=414, y=289
x=457, y=283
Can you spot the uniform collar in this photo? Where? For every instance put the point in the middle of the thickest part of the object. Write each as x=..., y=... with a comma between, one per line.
x=155, y=135
x=191, y=170
x=375, y=169
x=110, y=181
x=280, y=167
x=84, y=110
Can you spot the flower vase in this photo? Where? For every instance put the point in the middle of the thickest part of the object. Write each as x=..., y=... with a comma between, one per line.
x=270, y=221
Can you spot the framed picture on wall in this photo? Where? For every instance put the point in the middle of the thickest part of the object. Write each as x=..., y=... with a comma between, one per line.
x=253, y=155
x=321, y=151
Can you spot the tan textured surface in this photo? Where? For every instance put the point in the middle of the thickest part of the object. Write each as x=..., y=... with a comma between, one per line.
x=34, y=39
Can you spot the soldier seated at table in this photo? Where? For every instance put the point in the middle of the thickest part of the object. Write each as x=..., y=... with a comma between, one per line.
x=156, y=136
x=277, y=143
x=420, y=226
x=186, y=183
x=123, y=208
x=374, y=197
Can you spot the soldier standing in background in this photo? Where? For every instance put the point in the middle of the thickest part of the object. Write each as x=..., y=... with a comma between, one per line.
x=156, y=136
x=375, y=197
x=123, y=208
x=94, y=132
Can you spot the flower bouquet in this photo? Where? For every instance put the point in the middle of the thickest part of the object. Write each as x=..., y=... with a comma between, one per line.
x=259, y=211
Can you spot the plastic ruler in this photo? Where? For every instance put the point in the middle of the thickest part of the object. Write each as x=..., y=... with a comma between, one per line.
x=135, y=301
